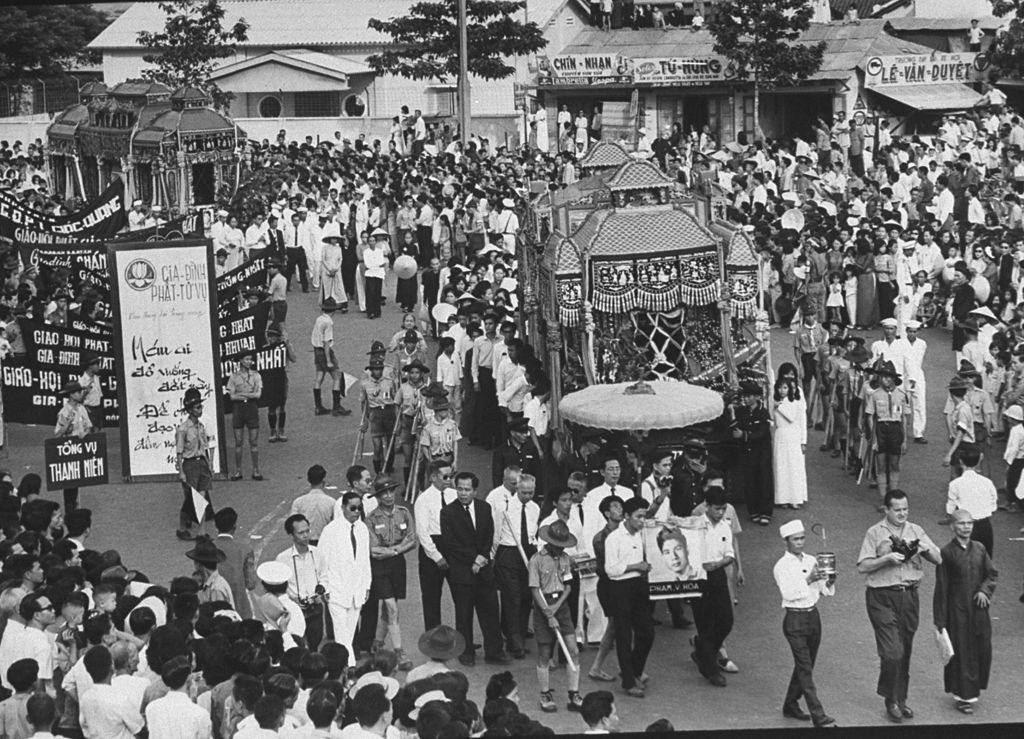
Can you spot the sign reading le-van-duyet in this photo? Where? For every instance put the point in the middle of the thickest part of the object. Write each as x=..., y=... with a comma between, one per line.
x=924, y=69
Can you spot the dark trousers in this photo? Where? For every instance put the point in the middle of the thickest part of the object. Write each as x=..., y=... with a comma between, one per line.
x=712, y=614
x=487, y=417
x=297, y=258
x=803, y=632
x=367, y=630
x=198, y=476
x=752, y=480
x=348, y=278
x=857, y=164
x=634, y=630
x=374, y=288
x=886, y=295
x=1012, y=478
x=481, y=596
x=675, y=611
x=510, y=574
x=982, y=534
x=431, y=583
x=809, y=362
x=317, y=620
x=425, y=244
x=894, y=615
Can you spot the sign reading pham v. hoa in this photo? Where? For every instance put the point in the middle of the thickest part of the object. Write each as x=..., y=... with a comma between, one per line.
x=101, y=219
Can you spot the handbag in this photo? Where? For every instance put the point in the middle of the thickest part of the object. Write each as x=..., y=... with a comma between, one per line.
x=945, y=646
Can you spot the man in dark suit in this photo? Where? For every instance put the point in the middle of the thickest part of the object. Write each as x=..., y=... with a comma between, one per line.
x=275, y=240
x=467, y=533
x=239, y=565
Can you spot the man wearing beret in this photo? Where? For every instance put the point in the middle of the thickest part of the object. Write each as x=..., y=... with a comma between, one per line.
x=801, y=582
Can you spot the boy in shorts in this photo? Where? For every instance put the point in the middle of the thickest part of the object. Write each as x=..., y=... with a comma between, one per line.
x=549, y=572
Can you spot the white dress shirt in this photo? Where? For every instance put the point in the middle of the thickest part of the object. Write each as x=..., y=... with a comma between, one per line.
x=791, y=573
x=176, y=717
x=593, y=521
x=107, y=713
x=508, y=519
x=1014, y=444
x=973, y=493
x=306, y=571
x=427, y=512
x=21, y=642
x=622, y=549
x=717, y=540
x=133, y=688
x=575, y=528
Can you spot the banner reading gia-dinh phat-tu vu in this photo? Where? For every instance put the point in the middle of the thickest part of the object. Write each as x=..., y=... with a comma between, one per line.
x=164, y=295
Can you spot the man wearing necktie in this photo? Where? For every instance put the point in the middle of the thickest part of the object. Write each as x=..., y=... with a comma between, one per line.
x=467, y=535
x=296, y=238
x=433, y=566
x=345, y=547
x=514, y=537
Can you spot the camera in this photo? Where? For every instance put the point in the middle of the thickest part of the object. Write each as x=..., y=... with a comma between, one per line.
x=907, y=548
x=664, y=482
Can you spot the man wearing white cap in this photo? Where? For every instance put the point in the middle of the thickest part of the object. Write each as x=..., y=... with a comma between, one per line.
x=219, y=232
x=913, y=348
x=136, y=216
x=507, y=225
x=801, y=582
x=889, y=347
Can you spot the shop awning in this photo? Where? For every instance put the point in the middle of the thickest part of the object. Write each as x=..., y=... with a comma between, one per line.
x=947, y=96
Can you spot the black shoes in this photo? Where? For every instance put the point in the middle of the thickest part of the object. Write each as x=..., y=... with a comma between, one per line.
x=795, y=712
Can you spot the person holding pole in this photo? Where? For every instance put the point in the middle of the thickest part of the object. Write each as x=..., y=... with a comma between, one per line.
x=515, y=531
x=379, y=405
x=548, y=571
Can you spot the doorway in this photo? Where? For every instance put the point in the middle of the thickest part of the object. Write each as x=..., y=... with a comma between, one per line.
x=202, y=184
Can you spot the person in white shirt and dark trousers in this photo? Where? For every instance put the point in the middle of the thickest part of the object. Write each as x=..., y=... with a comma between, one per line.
x=712, y=612
x=515, y=529
x=433, y=568
x=975, y=494
x=627, y=567
x=801, y=583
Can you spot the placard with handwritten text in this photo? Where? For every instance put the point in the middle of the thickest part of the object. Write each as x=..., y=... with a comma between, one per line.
x=164, y=299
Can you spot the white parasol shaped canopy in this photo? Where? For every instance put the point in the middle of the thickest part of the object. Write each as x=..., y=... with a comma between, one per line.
x=626, y=406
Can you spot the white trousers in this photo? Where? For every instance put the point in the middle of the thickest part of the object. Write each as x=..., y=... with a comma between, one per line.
x=345, y=622
x=917, y=402
x=590, y=607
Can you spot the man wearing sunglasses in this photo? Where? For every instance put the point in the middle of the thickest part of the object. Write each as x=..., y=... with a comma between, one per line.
x=433, y=568
x=37, y=611
x=345, y=546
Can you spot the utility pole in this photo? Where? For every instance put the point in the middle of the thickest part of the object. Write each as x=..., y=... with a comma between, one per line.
x=463, y=87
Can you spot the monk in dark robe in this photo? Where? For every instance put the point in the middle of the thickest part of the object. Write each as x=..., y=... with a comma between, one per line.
x=964, y=583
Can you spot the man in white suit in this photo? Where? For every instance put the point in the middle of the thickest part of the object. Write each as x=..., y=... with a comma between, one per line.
x=345, y=548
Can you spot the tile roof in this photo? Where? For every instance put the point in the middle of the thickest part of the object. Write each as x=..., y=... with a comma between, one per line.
x=847, y=45
x=639, y=175
x=571, y=193
x=635, y=232
x=567, y=259
x=604, y=154
x=272, y=23
x=955, y=24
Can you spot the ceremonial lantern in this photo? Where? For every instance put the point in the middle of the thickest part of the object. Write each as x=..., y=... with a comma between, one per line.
x=826, y=560
x=405, y=266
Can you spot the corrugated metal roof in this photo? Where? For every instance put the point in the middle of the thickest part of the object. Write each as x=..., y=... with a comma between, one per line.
x=960, y=24
x=272, y=23
x=847, y=45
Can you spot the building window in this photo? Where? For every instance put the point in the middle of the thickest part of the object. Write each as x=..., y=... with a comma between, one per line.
x=317, y=104
x=270, y=107
x=355, y=106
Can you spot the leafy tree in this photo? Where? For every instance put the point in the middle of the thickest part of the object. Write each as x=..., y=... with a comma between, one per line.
x=45, y=40
x=193, y=39
x=761, y=39
x=426, y=40
x=1007, y=50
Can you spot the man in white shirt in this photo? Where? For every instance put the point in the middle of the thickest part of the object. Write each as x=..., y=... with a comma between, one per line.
x=913, y=349
x=515, y=537
x=345, y=546
x=507, y=224
x=889, y=348
x=219, y=231
x=593, y=521
x=944, y=202
x=626, y=564
x=975, y=494
x=29, y=642
x=360, y=480
x=175, y=716
x=432, y=565
x=307, y=573
x=296, y=241
x=316, y=506
x=126, y=661
x=106, y=712
x=801, y=582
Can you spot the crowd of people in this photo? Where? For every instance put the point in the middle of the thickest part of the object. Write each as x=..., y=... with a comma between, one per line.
x=905, y=234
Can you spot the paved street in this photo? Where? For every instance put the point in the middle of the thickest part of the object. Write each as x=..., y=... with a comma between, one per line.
x=139, y=521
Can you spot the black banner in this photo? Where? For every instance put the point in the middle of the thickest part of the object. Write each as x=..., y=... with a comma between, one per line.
x=72, y=462
x=100, y=219
x=244, y=332
x=31, y=384
x=232, y=284
x=183, y=227
x=87, y=262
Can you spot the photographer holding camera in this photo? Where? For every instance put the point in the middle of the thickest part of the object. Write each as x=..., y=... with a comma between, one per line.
x=656, y=488
x=306, y=570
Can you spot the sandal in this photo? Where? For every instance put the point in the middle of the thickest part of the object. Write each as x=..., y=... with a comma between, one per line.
x=236, y=477
x=965, y=707
x=601, y=676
